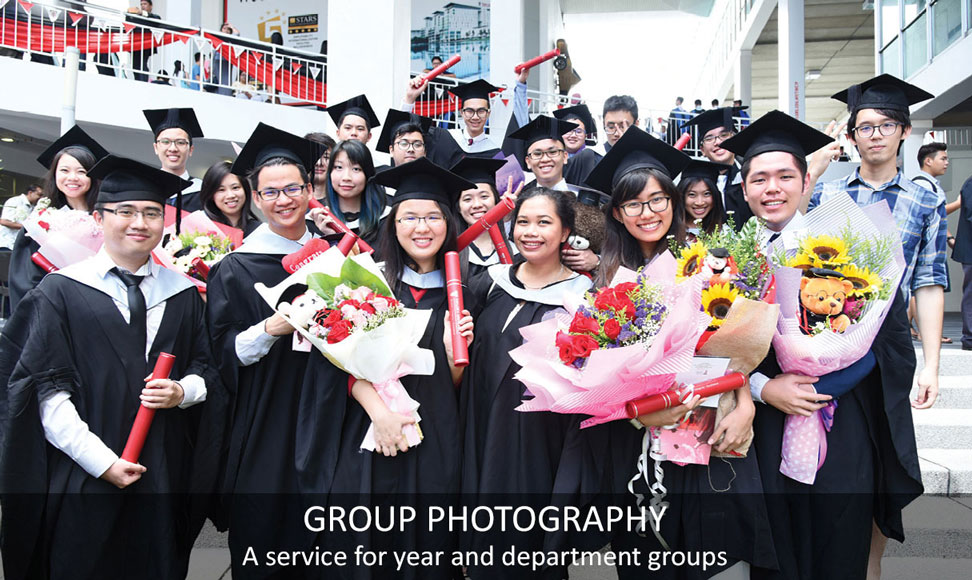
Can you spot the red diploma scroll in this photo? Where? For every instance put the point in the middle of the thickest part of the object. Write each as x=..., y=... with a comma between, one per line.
x=315, y=204
x=490, y=219
x=536, y=60
x=201, y=267
x=143, y=420
x=675, y=397
x=460, y=352
x=347, y=242
x=441, y=68
x=43, y=262
x=683, y=141
x=341, y=227
x=500, y=244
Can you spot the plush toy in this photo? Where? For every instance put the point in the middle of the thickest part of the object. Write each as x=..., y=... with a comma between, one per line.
x=719, y=266
x=303, y=309
x=589, y=222
x=822, y=296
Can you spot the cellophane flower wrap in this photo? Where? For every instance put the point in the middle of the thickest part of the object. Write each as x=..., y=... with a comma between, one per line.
x=335, y=315
x=863, y=244
x=200, y=244
x=65, y=236
x=624, y=342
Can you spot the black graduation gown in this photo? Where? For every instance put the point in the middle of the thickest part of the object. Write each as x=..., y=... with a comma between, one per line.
x=734, y=201
x=60, y=522
x=274, y=452
x=427, y=474
x=25, y=275
x=190, y=201
x=871, y=471
x=580, y=166
x=509, y=457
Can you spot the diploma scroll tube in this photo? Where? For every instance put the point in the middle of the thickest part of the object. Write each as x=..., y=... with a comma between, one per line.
x=42, y=262
x=441, y=68
x=201, y=267
x=460, y=352
x=490, y=219
x=672, y=398
x=683, y=141
x=341, y=226
x=143, y=420
x=502, y=252
x=346, y=243
x=536, y=60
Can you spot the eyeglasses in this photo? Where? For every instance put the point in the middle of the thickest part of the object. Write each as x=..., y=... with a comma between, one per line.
x=615, y=127
x=551, y=153
x=710, y=139
x=180, y=143
x=481, y=112
x=414, y=145
x=886, y=129
x=636, y=208
x=412, y=221
x=580, y=132
x=129, y=213
x=290, y=191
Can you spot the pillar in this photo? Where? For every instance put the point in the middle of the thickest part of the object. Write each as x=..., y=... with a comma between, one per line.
x=791, y=61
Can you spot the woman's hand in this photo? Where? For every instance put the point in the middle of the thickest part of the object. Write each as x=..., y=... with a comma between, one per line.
x=389, y=438
x=671, y=415
x=465, y=330
x=323, y=221
x=735, y=426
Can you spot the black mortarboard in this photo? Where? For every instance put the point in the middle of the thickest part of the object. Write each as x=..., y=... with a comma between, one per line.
x=124, y=179
x=709, y=120
x=478, y=169
x=776, y=131
x=478, y=89
x=267, y=142
x=882, y=92
x=580, y=112
x=396, y=119
x=822, y=273
x=162, y=119
x=422, y=179
x=354, y=106
x=75, y=137
x=703, y=169
x=543, y=127
x=635, y=150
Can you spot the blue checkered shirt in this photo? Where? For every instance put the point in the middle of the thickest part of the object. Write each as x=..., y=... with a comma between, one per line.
x=920, y=215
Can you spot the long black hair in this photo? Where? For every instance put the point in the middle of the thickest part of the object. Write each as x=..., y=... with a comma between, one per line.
x=372, y=198
x=207, y=195
x=620, y=248
x=717, y=213
x=87, y=160
x=395, y=257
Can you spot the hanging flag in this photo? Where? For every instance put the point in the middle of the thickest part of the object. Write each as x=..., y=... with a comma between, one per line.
x=315, y=70
x=75, y=17
x=25, y=5
x=277, y=62
x=53, y=14
x=129, y=27
x=295, y=66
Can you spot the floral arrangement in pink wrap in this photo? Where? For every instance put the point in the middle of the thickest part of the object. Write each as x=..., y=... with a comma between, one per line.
x=869, y=239
x=623, y=343
x=65, y=236
x=199, y=245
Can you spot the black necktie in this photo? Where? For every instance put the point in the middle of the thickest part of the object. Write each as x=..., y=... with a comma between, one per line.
x=136, y=304
x=774, y=236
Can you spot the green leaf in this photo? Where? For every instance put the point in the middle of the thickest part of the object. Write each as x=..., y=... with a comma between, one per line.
x=324, y=285
x=355, y=275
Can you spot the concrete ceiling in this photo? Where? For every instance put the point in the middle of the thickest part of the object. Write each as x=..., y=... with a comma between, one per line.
x=839, y=42
x=697, y=7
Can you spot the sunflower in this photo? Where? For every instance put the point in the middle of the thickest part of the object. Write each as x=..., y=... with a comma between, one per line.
x=803, y=261
x=830, y=251
x=716, y=300
x=865, y=282
x=690, y=260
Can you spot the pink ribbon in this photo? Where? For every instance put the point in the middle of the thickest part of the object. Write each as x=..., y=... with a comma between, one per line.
x=397, y=399
x=805, y=444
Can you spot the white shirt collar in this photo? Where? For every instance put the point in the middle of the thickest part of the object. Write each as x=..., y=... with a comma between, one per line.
x=433, y=279
x=263, y=240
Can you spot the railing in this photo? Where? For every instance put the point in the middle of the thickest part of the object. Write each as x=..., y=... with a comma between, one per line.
x=733, y=16
x=954, y=137
x=143, y=49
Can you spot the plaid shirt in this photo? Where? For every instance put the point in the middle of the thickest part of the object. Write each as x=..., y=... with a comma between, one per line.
x=920, y=215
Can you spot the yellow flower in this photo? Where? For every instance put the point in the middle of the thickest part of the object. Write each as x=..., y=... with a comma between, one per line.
x=828, y=250
x=865, y=282
x=716, y=300
x=690, y=260
x=803, y=261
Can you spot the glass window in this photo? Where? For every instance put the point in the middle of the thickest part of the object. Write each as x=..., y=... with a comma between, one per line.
x=915, y=46
x=890, y=23
x=948, y=24
x=912, y=8
x=890, y=63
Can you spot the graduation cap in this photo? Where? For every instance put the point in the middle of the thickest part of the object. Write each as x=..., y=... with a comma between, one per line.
x=422, y=179
x=776, y=131
x=478, y=169
x=635, y=150
x=396, y=119
x=882, y=92
x=162, y=119
x=124, y=179
x=75, y=137
x=582, y=114
x=358, y=106
x=703, y=170
x=543, y=127
x=267, y=142
x=709, y=120
x=478, y=89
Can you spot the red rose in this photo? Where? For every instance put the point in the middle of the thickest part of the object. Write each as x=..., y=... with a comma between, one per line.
x=582, y=345
x=339, y=331
x=612, y=329
x=626, y=288
x=368, y=308
x=327, y=318
x=582, y=324
x=563, y=344
x=616, y=301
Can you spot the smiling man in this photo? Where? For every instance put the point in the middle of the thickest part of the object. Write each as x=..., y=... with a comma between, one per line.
x=582, y=158
x=354, y=119
x=174, y=130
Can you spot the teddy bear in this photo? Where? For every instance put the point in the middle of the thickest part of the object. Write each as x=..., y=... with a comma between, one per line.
x=822, y=296
x=719, y=266
x=589, y=222
x=304, y=307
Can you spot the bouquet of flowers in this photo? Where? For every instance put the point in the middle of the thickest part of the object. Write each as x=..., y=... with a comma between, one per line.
x=65, y=236
x=848, y=270
x=345, y=309
x=199, y=245
x=625, y=342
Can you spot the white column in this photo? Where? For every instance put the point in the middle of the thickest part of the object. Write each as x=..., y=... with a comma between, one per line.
x=551, y=28
x=506, y=40
x=376, y=63
x=791, y=62
x=909, y=163
x=743, y=84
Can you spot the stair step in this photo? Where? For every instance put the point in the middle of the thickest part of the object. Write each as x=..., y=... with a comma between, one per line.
x=937, y=428
x=958, y=463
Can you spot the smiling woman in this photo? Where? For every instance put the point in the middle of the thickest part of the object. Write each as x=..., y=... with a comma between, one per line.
x=226, y=198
